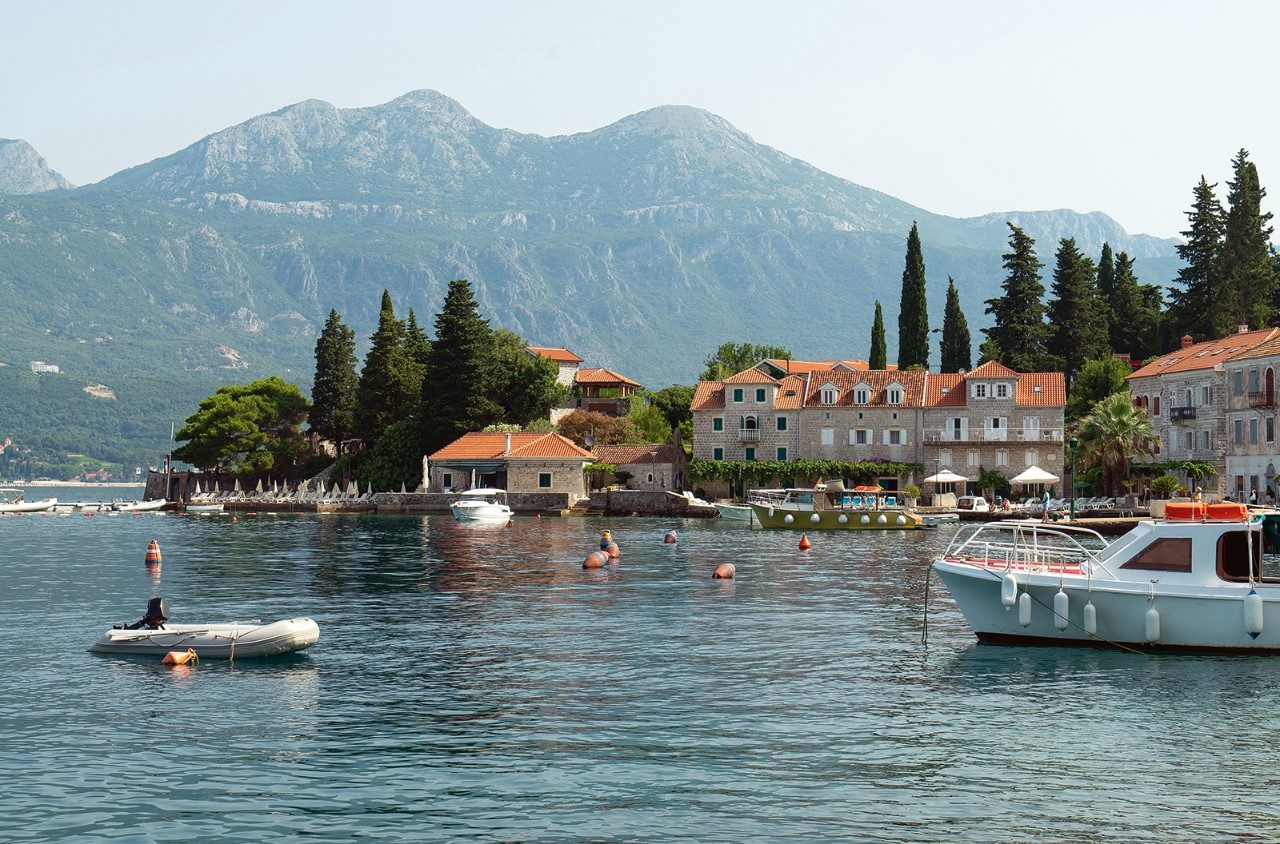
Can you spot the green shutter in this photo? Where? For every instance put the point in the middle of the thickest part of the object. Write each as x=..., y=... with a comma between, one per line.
x=782, y=454
x=782, y=423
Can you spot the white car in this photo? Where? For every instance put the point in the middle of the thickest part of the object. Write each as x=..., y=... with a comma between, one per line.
x=974, y=503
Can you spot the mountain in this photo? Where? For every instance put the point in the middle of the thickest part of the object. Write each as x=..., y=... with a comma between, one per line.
x=641, y=246
x=23, y=171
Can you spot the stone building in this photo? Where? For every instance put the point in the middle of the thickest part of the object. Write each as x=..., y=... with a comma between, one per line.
x=992, y=418
x=652, y=466
x=566, y=362
x=1193, y=400
x=521, y=462
x=1249, y=426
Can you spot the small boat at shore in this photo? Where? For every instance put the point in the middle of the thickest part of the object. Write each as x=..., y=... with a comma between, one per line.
x=196, y=509
x=481, y=506
x=828, y=506
x=155, y=636
x=735, y=512
x=1192, y=581
x=13, y=501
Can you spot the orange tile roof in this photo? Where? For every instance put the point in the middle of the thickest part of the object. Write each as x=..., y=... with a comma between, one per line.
x=602, y=376
x=708, y=395
x=948, y=389
x=877, y=379
x=751, y=376
x=944, y=390
x=992, y=369
x=622, y=455
x=1266, y=348
x=557, y=355
x=1052, y=392
x=790, y=395
x=485, y=445
x=1206, y=355
x=802, y=367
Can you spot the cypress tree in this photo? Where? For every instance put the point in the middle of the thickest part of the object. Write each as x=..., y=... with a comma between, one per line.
x=1106, y=286
x=879, y=358
x=416, y=341
x=455, y=396
x=1197, y=308
x=1018, y=333
x=1248, y=277
x=386, y=393
x=1075, y=310
x=333, y=394
x=913, y=312
x=957, y=346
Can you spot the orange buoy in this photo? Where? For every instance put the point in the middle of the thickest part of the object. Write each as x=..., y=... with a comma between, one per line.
x=805, y=544
x=613, y=551
x=152, y=557
x=724, y=571
x=670, y=538
x=180, y=657
x=596, y=560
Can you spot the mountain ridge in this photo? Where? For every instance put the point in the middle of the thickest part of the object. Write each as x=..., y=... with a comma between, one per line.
x=24, y=171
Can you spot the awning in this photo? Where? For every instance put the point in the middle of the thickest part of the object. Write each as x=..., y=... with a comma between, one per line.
x=1034, y=475
x=946, y=476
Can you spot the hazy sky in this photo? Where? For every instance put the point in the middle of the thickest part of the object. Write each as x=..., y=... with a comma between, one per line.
x=959, y=107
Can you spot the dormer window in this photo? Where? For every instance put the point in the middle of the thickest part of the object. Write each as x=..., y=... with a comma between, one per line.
x=893, y=395
x=828, y=394
x=862, y=394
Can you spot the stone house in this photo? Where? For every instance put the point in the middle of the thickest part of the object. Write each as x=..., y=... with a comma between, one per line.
x=652, y=466
x=521, y=462
x=1185, y=394
x=992, y=418
x=566, y=361
x=1249, y=426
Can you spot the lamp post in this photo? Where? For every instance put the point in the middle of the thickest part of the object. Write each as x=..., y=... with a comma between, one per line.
x=1072, y=443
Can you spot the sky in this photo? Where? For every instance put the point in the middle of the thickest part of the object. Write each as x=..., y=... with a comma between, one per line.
x=959, y=108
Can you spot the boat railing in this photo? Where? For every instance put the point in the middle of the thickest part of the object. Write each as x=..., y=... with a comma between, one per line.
x=1030, y=545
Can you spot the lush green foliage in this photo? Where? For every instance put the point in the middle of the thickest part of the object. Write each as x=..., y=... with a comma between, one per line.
x=1197, y=470
x=395, y=460
x=390, y=380
x=879, y=356
x=1019, y=333
x=1137, y=313
x=1098, y=379
x=522, y=386
x=246, y=428
x=735, y=472
x=333, y=394
x=601, y=427
x=1077, y=319
x=957, y=346
x=1165, y=485
x=674, y=403
x=1197, y=304
x=455, y=396
x=913, y=312
x=731, y=358
x=1248, y=276
x=1111, y=434
x=991, y=481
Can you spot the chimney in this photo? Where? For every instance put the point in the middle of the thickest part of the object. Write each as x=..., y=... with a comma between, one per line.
x=507, y=450
x=1186, y=340
x=1242, y=328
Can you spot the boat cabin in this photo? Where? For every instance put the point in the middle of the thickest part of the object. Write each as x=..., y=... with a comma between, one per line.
x=831, y=495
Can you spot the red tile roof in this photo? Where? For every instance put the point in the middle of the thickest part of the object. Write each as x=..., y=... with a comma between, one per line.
x=992, y=369
x=622, y=455
x=878, y=380
x=486, y=445
x=751, y=376
x=1206, y=355
x=790, y=393
x=1052, y=390
x=603, y=377
x=557, y=355
x=944, y=390
x=708, y=395
x=948, y=389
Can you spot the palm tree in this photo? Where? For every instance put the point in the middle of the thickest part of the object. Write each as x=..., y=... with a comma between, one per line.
x=1113, y=432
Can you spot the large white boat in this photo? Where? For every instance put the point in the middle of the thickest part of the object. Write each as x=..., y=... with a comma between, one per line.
x=1192, y=581
x=481, y=505
x=14, y=501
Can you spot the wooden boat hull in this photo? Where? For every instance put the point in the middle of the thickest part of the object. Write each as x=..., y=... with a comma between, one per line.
x=793, y=519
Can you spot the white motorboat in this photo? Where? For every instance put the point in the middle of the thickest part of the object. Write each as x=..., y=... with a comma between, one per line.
x=481, y=505
x=13, y=501
x=137, y=506
x=206, y=508
x=1192, y=581
x=155, y=636
x=735, y=512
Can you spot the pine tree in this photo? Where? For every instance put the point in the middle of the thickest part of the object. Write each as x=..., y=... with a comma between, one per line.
x=386, y=393
x=1248, y=277
x=879, y=358
x=1197, y=307
x=416, y=341
x=1075, y=310
x=333, y=395
x=957, y=346
x=1138, y=310
x=455, y=396
x=1106, y=285
x=913, y=312
x=1018, y=331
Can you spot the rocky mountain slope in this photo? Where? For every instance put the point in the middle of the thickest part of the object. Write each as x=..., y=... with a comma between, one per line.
x=641, y=245
x=23, y=171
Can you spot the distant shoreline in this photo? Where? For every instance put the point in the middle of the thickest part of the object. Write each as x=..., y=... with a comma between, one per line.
x=85, y=484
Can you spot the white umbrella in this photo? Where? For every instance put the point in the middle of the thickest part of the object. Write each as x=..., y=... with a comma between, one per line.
x=258, y=488
x=946, y=476
x=237, y=486
x=402, y=489
x=1034, y=475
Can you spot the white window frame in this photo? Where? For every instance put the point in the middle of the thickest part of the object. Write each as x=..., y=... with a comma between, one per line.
x=1002, y=391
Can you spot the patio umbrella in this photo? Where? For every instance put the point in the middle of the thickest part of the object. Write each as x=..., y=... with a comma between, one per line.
x=1034, y=475
x=946, y=476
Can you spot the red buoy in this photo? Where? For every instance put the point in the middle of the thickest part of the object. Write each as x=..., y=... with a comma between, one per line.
x=153, y=554
x=612, y=551
x=805, y=544
x=596, y=560
x=724, y=571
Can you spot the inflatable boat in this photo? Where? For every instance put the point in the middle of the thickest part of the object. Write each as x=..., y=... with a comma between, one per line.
x=155, y=636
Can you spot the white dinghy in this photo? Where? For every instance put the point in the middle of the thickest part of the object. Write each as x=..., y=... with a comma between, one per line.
x=155, y=636
x=13, y=501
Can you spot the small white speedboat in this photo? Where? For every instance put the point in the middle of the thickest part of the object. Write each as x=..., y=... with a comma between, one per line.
x=735, y=512
x=138, y=506
x=205, y=508
x=481, y=505
x=213, y=641
x=12, y=501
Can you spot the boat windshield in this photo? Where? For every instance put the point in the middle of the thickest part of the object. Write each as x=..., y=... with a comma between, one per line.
x=1022, y=543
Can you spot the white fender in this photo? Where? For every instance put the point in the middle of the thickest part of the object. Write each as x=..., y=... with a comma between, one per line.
x=1061, y=610
x=1253, y=614
x=1153, y=625
x=1009, y=591
x=788, y=519
x=1024, y=609
x=815, y=518
x=1090, y=614
x=842, y=519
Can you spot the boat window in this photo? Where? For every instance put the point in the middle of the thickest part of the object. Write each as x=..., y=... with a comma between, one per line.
x=1167, y=554
x=1233, y=556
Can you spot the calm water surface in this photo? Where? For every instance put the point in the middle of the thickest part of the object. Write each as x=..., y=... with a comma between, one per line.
x=477, y=683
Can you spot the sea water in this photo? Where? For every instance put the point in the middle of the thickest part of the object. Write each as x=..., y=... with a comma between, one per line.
x=476, y=682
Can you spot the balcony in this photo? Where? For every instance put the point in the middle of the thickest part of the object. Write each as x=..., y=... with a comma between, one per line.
x=749, y=435
x=1026, y=435
x=1262, y=399
x=1181, y=414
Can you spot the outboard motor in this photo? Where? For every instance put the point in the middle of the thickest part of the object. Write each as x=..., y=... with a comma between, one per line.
x=157, y=614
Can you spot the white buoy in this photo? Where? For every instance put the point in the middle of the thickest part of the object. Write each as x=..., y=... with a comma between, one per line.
x=1090, y=614
x=882, y=519
x=1061, y=609
x=788, y=519
x=842, y=519
x=815, y=518
x=1253, y=614
x=1024, y=609
x=1153, y=625
x=866, y=520
x=1009, y=591
x=902, y=520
